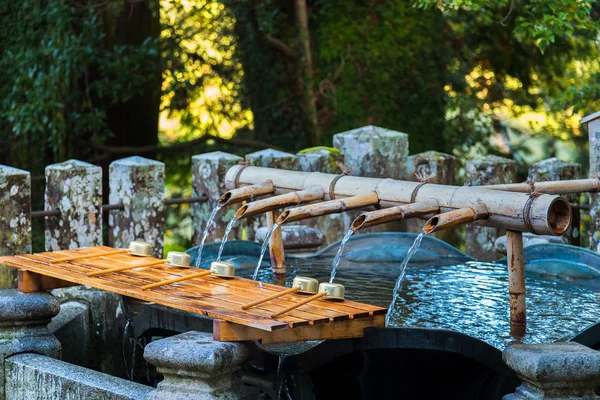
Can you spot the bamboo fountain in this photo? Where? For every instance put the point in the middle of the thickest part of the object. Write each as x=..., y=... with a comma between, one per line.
x=517, y=208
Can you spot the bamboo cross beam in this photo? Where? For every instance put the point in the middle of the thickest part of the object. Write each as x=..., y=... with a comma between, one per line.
x=125, y=268
x=86, y=256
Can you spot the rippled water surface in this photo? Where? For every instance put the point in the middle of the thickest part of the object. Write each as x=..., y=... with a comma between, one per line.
x=471, y=298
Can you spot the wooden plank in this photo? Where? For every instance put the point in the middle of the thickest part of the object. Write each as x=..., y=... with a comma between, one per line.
x=32, y=282
x=225, y=331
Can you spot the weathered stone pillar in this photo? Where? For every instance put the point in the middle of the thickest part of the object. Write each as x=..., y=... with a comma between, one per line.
x=268, y=158
x=139, y=184
x=23, y=326
x=326, y=160
x=593, y=123
x=196, y=367
x=489, y=170
x=554, y=169
x=374, y=152
x=75, y=189
x=558, y=371
x=15, y=219
x=441, y=169
x=208, y=176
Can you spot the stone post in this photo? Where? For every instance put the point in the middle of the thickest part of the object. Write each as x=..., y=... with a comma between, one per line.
x=268, y=158
x=75, y=189
x=23, y=326
x=554, y=371
x=554, y=169
x=15, y=219
x=441, y=168
x=208, y=176
x=489, y=170
x=374, y=152
x=326, y=160
x=196, y=367
x=139, y=184
x=593, y=123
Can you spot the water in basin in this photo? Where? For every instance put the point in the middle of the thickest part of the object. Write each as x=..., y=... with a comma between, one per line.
x=450, y=290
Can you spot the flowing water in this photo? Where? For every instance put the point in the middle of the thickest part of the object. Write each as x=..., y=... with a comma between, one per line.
x=225, y=236
x=263, y=250
x=338, y=256
x=411, y=252
x=205, y=233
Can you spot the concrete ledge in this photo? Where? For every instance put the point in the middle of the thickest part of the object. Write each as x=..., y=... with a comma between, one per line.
x=32, y=377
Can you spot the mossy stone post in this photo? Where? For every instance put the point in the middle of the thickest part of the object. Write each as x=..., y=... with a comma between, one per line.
x=593, y=123
x=139, y=184
x=75, y=189
x=554, y=169
x=24, y=319
x=208, y=177
x=15, y=219
x=328, y=161
x=374, y=152
x=488, y=170
x=436, y=167
x=268, y=158
x=196, y=367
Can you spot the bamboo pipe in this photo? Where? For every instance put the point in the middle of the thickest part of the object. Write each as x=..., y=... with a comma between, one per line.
x=328, y=207
x=516, y=277
x=455, y=217
x=86, y=256
x=281, y=201
x=298, y=304
x=125, y=268
x=246, y=193
x=175, y=280
x=551, y=187
x=544, y=215
x=397, y=213
x=271, y=297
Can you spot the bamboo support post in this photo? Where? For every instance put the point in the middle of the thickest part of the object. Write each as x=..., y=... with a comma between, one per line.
x=544, y=214
x=298, y=304
x=281, y=201
x=246, y=193
x=455, y=217
x=175, y=280
x=396, y=213
x=86, y=256
x=276, y=250
x=551, y=187
x=271, y=297
x=516, y=277
x=125, y=268
x=328, y=207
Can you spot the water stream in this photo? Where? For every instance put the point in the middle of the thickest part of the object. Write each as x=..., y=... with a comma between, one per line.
x=338, y=256
x=413, y=249
x=263, y=250
x=225, y=236
x=210, y=221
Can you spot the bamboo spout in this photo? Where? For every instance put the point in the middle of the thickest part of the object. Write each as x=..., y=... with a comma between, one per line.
x=368, y=219
x=277, y=202
x=328, y=207
x=246, y=193
x=456, y=217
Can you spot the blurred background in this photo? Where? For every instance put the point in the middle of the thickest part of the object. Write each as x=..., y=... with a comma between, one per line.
x=99, y=80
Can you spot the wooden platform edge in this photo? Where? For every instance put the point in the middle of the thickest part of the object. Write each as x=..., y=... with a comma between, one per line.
x=32, y=282
x=225, y=331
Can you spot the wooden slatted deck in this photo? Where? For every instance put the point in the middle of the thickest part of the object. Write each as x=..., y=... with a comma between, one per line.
x=217, y=298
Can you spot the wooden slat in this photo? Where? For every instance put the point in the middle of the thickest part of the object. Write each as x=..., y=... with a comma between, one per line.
x=212, y=296
x=230, y=332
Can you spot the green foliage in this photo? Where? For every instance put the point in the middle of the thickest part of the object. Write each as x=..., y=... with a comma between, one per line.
x=61, y=77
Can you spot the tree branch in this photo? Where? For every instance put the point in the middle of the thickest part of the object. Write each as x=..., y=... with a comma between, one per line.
x=176, y=146
x=281, y=46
